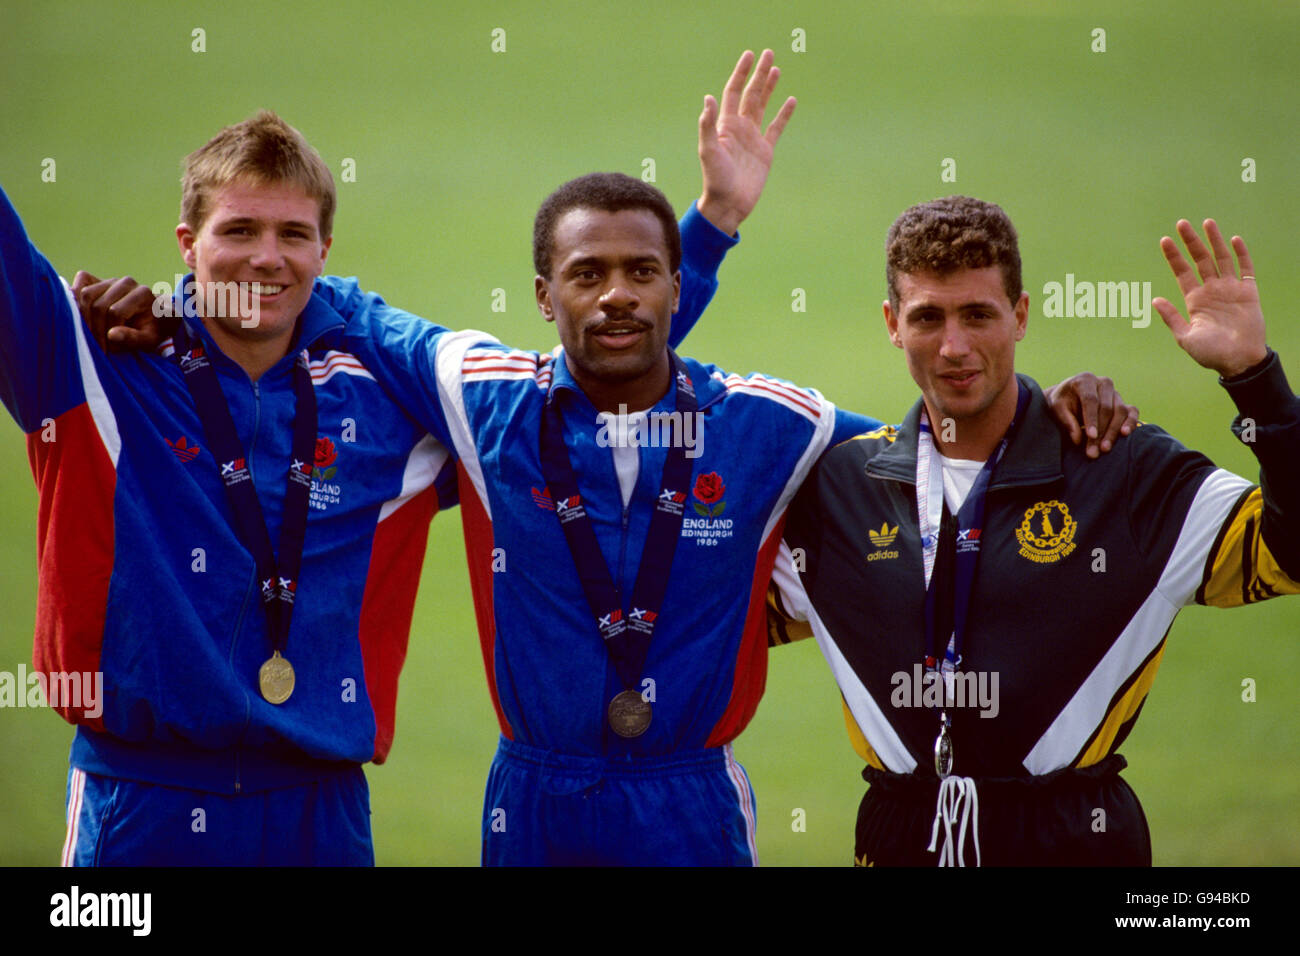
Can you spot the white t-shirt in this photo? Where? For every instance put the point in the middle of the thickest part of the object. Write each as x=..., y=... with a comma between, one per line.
x=627, y=456
x=959, y=476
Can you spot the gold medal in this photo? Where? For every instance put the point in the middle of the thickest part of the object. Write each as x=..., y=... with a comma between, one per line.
x=275, y=679
x=629, y=714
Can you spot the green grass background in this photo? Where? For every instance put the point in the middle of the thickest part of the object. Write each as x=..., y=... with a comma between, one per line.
x=1094, y=155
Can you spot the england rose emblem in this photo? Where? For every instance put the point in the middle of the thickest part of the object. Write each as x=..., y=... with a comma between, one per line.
x=709, y=489
x=325, y=455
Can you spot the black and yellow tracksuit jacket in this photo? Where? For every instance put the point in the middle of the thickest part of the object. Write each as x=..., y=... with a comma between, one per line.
x=1083, y=566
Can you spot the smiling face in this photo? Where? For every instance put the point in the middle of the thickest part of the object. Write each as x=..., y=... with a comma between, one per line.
x=959, y=332
x=612, y=295
x=265, y=237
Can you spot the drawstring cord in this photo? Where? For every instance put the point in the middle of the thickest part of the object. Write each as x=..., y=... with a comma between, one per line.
x=956, y=796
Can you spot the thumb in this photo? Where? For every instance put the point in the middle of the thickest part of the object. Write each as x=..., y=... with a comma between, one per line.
x=135, y=340
x=1171, y=317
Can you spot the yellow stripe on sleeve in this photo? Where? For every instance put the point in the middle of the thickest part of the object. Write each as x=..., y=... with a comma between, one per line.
x=781, y=627
x=1240, y=569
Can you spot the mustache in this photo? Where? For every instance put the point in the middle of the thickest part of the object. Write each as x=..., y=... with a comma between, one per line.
x=619, y=323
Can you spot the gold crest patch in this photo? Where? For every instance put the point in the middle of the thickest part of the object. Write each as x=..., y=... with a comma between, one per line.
x=1047, y=532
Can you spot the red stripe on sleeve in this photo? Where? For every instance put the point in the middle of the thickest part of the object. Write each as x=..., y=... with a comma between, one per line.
x=396, y=559
x=751, y=658
x=794, y=396
x=478, y=554
x=77, y=483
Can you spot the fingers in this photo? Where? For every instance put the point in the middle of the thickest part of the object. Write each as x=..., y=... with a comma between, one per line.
x=1131, y=419
x=81, y=280
x=1089, y=401
x=137, y=304
x=1223, y=262
x=736, y=83
x=1212, y=262
x=770, y=86
x=1076, y=433
x=748, y=96
x=1182, y=271
x=1112, y=413
x=759, y=87
x=1122, y=421
x=122, y=299
x=1071, y=411
x=708, y=124
x=777, y=126
x=147, y=321
x=88, y=295
x=109, y=304
x=1243, y=257
x=1062, y=403
x=1200, y=254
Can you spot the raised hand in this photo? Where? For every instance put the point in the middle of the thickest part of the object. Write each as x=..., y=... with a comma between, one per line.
x=1224, y=329
x=735, y=153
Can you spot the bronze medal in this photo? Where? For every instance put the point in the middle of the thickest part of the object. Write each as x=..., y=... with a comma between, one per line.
x=275, y=679
x=629, y=714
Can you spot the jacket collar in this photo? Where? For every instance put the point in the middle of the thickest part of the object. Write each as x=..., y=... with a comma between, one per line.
x=1032, y=458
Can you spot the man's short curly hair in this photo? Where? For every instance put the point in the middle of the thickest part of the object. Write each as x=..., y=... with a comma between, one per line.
x=944, y=235
x=609, y=192
x=264, y=150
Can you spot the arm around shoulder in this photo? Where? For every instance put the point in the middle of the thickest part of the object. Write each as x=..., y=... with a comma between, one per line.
x=417, y=362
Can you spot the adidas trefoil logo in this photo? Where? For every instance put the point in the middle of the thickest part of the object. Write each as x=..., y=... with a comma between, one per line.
x=885, y=536
x=882, y=539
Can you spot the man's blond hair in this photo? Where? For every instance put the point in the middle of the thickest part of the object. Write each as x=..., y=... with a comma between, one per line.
x=264, y=150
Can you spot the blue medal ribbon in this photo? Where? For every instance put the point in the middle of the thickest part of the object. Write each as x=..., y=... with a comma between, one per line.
x=947, y=596
x=277, y=577
x=625, y=630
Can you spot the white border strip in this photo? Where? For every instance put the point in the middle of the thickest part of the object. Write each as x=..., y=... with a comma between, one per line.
x=100, y=409
x=77, y=790
x=745, y=794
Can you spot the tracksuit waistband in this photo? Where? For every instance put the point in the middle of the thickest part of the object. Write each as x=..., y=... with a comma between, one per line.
x=680, y=762
x=888, y=783
x=215, y=771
